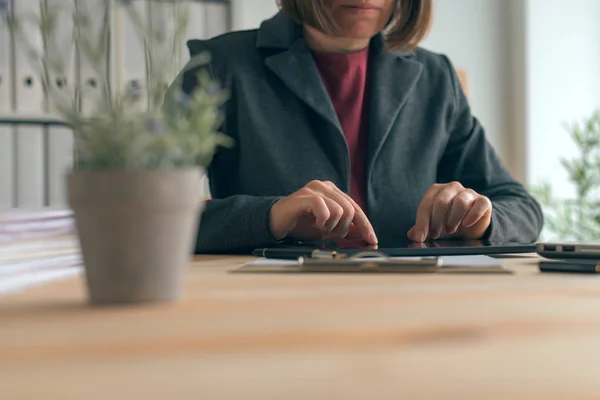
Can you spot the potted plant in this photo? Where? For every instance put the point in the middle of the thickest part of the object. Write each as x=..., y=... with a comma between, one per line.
x=135, y=187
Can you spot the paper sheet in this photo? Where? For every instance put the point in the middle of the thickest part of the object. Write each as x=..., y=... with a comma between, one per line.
x=450, y=264
x=25, y=274
x=447, y=261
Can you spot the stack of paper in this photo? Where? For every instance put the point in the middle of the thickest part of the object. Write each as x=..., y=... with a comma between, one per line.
x=37, y=247
x=24, y=224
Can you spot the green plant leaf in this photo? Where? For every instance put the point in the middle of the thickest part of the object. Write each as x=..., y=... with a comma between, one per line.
x=576, y=218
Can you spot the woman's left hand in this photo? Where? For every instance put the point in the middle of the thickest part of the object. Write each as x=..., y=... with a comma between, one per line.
x=451, y=211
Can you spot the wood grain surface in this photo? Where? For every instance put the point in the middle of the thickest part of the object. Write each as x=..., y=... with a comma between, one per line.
x=247, y=336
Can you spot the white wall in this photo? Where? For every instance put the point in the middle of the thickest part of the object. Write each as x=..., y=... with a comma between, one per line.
x=563, y=81
x=248, y=14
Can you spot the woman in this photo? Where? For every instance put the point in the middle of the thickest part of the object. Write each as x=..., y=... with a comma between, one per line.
x=345, y=129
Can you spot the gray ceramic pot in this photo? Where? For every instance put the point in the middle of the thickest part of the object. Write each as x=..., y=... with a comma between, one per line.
x=137, y=231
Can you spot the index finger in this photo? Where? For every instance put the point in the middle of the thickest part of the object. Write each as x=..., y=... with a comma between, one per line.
x=361, y=221
x=421, y=230
x=364, y=226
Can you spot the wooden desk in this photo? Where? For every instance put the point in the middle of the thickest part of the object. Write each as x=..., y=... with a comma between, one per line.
x=264, y=337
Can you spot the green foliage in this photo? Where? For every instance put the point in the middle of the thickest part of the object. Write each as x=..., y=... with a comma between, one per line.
x=146, y=125
x=577, y=218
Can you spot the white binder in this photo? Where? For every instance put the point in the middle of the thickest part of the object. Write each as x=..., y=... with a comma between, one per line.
x=60, y=140
x=129, y=49
x=6, y=132
x=29, y=99
x=94, y=78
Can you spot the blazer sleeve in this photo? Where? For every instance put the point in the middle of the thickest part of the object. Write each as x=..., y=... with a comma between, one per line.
x=471, y=160
x=230, y=222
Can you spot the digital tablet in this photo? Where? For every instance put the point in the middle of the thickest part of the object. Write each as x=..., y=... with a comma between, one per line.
x=402, y=249
x=446, y=248
x=568, y=250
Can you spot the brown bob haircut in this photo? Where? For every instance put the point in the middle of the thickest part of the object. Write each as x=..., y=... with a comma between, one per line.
x=409, y=24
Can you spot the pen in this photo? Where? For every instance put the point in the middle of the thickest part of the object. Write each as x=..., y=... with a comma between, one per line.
x=294, y=254
x=574, y=266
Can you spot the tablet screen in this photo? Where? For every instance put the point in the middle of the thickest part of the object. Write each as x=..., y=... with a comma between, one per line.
x=433, y=248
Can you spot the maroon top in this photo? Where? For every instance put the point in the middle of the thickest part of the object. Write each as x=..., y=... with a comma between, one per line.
x=345, y=77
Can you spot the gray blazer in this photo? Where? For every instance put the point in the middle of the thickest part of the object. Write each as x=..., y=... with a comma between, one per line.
x=287, y=133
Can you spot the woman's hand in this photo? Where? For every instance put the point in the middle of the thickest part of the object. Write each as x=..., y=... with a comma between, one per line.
x=450, y=210
x=320, y=211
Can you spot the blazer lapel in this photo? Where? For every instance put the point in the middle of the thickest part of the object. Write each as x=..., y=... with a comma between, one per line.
x=297, y=69
x=290, y=59
x=393, y=76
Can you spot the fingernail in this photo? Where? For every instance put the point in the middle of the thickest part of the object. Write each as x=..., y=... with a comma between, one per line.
x=373, y=238
x=435, y=236
x=419, y=236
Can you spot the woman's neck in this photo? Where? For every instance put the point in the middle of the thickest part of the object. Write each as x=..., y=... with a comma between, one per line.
x=319, y=42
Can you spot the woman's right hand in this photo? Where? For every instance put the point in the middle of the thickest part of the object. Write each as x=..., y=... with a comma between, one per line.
x=320, y=211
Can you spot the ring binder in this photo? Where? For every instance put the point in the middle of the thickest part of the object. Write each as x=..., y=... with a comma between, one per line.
x=62, y=81
x=29, y=98
x=7, y=183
